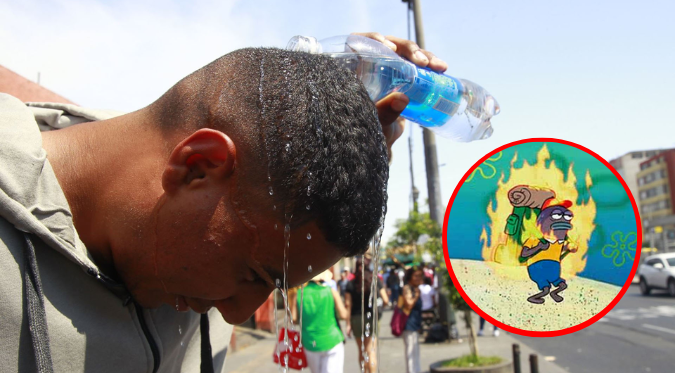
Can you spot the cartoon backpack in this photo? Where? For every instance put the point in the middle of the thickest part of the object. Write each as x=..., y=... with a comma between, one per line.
x=526, y=200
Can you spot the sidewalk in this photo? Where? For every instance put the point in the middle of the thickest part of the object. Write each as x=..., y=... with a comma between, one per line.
x=257, y=356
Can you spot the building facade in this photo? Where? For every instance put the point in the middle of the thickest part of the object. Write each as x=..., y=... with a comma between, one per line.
x=629, y=165
x=655, y=180
x=650, y=176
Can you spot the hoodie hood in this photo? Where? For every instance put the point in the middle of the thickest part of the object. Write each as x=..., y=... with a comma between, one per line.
x=30, y=195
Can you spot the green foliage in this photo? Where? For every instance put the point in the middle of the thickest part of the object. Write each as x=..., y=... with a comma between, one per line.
x=409, y=230
x=472, y=361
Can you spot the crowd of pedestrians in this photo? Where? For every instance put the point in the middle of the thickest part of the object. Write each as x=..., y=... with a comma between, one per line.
x=412, y=288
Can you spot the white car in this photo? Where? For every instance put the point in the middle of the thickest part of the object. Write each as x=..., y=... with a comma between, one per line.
x=658, y=272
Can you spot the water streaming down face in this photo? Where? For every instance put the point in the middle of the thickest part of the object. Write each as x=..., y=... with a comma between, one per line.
x=376, y=257
x=180, y=332
x=363, y=313
x=302, y=302
x=288, y=146
x=287, y=310
x=278, y=283
x=375, y=248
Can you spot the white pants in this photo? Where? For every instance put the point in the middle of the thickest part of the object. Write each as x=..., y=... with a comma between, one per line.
x=331, y=361
x=412, y=351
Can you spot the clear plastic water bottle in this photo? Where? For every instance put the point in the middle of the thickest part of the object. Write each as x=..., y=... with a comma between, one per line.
x=453, y=108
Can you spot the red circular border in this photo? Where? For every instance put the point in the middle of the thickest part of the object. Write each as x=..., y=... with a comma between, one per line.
x=554, y=333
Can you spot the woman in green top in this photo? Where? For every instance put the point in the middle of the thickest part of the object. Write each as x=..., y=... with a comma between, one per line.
x=321, y=334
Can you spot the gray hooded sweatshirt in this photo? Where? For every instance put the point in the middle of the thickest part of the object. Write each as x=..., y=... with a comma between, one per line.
x=58, y=311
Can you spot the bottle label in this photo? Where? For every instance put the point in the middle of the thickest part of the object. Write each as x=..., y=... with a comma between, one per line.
x=434, y=98
x=445, y=106
x=419, y=91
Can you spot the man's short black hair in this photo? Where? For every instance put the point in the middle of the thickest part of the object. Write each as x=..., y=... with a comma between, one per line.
x=312, y=132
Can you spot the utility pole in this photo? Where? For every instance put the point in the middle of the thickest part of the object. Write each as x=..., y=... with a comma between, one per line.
x=415, y=191
x=430, y=156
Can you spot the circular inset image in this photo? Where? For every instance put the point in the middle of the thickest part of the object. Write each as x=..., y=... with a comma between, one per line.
x=541, y=237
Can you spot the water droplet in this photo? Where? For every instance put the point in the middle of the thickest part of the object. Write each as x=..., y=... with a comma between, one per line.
x=276, y=227
x=287, y=229
x=307, y=207
x=299, y=360
x=176, y=303
x=309, y=236
x=278, y=283
x=180, y=331
x=308, y=190
x=286, y=360
x=369, y=314
x=296, y=338
x=269, y=178
x=309, y=269
x=271, y=191
x=182, y=344
x=288, y=146
x=274, y=207
x=98, y=277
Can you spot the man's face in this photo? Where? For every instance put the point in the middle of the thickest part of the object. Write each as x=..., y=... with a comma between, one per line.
x=211, y=254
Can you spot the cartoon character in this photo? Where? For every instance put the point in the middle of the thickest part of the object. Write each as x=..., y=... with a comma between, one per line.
x=543, y=254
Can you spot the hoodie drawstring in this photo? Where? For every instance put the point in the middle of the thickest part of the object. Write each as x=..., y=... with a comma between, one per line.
x=35, y=309
x=207, y=357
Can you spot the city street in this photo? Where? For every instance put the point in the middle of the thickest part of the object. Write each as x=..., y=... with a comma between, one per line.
x=638, y=335
x=257, y=356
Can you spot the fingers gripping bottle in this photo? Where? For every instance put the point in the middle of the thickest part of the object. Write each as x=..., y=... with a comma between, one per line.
x=453, y=108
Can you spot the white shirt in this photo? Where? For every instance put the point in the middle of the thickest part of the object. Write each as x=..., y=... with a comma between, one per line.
x=427, y=294
x=331, y=283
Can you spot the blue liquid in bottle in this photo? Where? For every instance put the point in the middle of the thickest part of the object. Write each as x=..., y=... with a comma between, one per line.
x=454, y=108
x=434, y=98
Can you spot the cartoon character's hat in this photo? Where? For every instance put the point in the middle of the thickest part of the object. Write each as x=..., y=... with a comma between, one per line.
x=556, y=202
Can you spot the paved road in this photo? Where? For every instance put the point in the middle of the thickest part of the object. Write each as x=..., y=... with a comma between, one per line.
x=258, y=356
x=638, y=335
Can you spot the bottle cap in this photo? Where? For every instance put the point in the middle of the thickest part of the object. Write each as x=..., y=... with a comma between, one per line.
x=306, y=44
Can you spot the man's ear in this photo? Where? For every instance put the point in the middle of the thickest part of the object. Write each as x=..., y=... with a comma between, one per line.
x=206, y=153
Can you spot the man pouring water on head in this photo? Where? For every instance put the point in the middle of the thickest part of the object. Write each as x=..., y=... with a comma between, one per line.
x=124, y=239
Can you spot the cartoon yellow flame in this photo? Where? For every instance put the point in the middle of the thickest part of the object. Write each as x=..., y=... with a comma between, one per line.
x=500, y=248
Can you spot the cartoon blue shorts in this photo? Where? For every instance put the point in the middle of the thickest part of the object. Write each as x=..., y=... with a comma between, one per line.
x=545, y=272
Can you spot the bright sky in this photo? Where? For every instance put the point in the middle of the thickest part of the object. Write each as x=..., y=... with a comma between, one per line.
x=598, y=73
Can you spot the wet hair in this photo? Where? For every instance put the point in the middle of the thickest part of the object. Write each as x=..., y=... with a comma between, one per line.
x=313, y=138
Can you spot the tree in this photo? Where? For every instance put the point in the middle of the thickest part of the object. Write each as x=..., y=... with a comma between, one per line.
x=408, y=233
